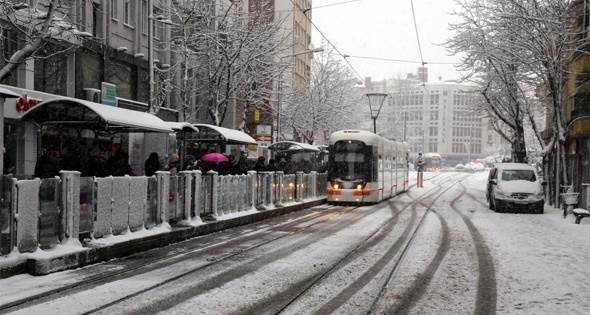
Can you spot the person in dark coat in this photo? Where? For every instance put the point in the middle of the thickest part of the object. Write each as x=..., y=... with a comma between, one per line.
x=152, y=164
x=118, y=164
x=260, y=165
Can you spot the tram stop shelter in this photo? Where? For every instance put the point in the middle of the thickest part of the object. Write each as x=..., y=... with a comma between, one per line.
x=292, y=157
x=71, y=127
x=212, y=138
x=182, y=131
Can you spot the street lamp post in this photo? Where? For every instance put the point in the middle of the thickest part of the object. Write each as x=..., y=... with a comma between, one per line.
x=375, y=103
x=279, y=88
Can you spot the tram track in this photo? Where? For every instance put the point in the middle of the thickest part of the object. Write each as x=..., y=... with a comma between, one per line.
x=224, y=277
x=280, y=301
x=148, y=261
x=411, y=295
x=142, y=266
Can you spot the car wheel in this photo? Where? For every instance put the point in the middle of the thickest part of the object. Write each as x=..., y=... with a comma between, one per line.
x=496, y=208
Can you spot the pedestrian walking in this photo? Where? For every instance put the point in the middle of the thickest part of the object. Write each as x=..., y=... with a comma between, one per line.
x=420, y=163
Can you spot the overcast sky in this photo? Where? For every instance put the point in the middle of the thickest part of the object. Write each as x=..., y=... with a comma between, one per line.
x=385, y=28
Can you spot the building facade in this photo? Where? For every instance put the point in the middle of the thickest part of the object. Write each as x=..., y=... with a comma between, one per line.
x=441, y=117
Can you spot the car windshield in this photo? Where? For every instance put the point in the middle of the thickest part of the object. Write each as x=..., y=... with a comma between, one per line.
x=509, y=175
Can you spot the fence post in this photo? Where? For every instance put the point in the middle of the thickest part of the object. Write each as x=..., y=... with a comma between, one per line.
x=163, y=180
x=214, y=192
x=252, y=177
x=271, y=188
x=299, y=187
x=197, y=175
x=314, y=184
x=187, y=178
x=70, y=206
x=279, y=188
x=26, y=214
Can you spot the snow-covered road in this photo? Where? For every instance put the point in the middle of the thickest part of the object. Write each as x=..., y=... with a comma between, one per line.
x=436, y=250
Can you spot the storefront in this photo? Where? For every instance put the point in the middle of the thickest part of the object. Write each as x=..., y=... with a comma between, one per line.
x=578, y=155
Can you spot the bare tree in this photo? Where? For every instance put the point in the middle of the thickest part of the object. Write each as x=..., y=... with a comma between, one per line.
x=327, y=105
x=223, y=57
x=34, y=27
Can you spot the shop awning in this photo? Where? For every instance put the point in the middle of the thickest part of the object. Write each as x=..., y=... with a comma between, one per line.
x=182, y=126
x=216, y=134
x=293, y=146
x=88, y=115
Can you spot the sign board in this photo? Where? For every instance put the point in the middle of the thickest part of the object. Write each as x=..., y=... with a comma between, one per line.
x=264, y=130
x=108, y=94
x=257, y=115
x=263, y=138
x=24, y=103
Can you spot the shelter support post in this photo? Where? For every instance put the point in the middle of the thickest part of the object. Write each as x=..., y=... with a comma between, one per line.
x=70, y=206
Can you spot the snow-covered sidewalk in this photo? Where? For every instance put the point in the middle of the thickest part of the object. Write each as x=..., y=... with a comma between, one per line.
x=541, y=260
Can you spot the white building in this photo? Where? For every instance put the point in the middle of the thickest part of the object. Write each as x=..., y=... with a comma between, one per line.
x=440, y=117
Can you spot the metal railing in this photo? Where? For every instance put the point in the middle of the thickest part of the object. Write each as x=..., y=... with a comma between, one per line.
x=41, y=213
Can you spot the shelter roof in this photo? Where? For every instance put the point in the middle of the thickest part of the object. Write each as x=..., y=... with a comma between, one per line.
x=291, y=145
x=216, y=134
x=89, y=115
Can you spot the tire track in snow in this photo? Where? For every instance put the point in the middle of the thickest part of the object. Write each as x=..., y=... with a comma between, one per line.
x=418, y=288
x=486, y=298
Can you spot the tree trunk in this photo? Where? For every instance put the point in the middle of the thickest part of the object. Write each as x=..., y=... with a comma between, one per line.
x=518, y=146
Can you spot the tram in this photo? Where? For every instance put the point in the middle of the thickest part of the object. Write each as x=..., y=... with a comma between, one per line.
x=365, y=168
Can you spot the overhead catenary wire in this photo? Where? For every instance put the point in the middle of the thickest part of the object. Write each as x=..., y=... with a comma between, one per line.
x=404, y=60
x=328, y=41
x=417, y=33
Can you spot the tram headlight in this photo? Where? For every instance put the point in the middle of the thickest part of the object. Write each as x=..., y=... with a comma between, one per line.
x=335, y=186
x=359, y=187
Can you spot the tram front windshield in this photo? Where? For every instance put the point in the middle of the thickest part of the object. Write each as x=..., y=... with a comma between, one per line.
x=350, y=161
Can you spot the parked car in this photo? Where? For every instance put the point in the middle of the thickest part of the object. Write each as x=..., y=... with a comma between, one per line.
x=516, y=187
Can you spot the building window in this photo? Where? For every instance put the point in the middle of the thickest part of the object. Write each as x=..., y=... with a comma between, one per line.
x=433, y=131
x=144, y=16
x=127, y=19
x=114, y=9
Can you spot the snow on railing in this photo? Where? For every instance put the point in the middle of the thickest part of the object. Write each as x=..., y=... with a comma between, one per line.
x=42, y=213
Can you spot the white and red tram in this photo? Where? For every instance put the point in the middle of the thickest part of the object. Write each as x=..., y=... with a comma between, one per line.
x=365, y=168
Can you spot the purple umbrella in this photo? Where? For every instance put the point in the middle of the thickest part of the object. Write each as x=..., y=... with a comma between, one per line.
x=216, y=158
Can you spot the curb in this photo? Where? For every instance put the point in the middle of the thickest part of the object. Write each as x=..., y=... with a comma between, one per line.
x=88, y=256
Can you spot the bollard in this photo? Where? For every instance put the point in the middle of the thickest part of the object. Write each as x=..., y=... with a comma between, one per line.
x=187, y=178
x=299, y=186
x=70, y=206
x=314, y=184
x=197, y=193
x=214, y=192
x=252, y=176
x=163, y=179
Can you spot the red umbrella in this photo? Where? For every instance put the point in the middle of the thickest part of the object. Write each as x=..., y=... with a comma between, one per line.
x=214, y=158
